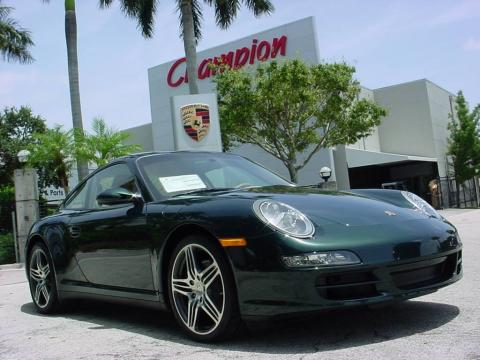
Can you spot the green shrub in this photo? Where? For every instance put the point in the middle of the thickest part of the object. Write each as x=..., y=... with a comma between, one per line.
x=7, y=249
x=7, y=204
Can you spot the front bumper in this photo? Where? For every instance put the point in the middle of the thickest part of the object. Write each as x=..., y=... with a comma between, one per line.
x=272, y=293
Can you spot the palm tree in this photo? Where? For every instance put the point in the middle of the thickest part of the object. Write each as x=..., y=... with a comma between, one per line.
x=72, y=58
x=52, y=155
x=190, y=16
x=14, y=40
x=104, y=144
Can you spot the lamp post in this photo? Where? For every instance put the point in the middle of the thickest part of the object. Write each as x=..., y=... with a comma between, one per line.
x=325, y=173
x=23, y=156
x=26, y=201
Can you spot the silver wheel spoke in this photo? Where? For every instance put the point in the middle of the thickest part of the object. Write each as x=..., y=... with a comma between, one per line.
x=209, y=274
x=46, y=270
x=190, y=262
x=38, y=291
x=181, y=286
x=38, y=261
x=35, y=275
x=45, y=294
x=210, y=309
x=192, y=313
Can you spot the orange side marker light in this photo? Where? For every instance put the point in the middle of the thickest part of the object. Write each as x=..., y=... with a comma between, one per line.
x=233, y=242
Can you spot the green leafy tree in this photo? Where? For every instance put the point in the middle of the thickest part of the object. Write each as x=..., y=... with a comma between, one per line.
x=17, y=129
x=53, y=155
x=14, y=40
x=104, y=144
x=292, y=110
x=190, y=15
x=464, y=141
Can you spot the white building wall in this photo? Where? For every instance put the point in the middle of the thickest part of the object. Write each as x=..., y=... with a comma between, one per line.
x=407, y=128
x=372, y=142
x=441, y=103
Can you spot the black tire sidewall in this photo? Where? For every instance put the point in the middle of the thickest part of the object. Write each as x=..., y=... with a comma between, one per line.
x=53, y=303
x=230, y=319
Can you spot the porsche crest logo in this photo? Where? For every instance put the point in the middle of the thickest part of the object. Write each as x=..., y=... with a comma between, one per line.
x=196, y=120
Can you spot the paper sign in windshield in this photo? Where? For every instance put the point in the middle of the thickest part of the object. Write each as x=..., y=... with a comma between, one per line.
x=182, y=183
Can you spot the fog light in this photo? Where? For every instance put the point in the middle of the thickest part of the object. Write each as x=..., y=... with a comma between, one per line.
x=327, y=258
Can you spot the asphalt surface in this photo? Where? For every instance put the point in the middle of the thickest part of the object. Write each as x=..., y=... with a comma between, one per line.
x=443, y=325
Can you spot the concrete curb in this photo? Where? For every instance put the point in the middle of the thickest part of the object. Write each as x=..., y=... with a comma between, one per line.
x=12, y=266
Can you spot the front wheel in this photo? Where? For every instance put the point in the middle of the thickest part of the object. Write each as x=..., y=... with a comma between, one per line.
x=201, y=290
x=41, y=278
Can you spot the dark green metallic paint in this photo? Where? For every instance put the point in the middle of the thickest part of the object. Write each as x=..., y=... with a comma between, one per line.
x=123, y=251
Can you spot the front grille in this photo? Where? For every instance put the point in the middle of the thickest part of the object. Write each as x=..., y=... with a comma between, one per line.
x=347, y=286
x=425, y=273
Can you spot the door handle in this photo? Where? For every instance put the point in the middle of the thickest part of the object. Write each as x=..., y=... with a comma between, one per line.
x=74, y=231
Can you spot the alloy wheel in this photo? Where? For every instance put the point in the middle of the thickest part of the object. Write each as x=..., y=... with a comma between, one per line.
x=198, y=289
x=40, y=279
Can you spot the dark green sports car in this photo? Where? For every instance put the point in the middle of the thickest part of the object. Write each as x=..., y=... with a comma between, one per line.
x=218, y=239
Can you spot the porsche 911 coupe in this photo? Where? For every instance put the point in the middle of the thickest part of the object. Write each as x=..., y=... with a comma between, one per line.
x=218, y=240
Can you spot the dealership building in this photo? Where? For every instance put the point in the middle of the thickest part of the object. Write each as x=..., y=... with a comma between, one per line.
x=407, y=148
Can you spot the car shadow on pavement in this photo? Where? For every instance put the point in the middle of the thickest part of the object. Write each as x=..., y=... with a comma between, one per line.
x=338, y=329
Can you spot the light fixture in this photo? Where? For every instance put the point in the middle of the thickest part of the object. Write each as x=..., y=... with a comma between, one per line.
x=325, y=258
x=420, y=205
x=23, y=156
x=284, y=217
x=325, y=173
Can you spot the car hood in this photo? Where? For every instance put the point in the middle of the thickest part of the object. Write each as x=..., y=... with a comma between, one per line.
x=327, y=207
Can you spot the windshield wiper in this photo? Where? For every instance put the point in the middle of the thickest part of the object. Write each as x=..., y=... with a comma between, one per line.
x=203, y=191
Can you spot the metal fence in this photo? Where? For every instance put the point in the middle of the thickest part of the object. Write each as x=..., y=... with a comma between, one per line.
x=466, y=195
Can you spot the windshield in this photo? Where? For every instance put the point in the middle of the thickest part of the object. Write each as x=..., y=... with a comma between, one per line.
x=177, y=173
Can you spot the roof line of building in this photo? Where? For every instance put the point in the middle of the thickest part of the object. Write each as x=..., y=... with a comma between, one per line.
x=413, y=81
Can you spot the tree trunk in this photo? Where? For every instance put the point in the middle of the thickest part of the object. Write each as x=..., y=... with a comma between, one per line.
x=71, y=39
x=292, y=172
x=189, y=44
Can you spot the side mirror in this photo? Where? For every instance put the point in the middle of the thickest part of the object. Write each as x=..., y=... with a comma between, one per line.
x=116, y=196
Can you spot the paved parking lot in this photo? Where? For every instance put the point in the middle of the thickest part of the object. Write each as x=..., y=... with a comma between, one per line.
x=443, y=325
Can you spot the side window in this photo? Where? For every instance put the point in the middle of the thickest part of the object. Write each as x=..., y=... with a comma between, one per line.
x=112, y=177
x=79, y=199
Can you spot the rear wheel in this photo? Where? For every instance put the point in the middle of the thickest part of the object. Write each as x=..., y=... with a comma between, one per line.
x=201, y=290
x=41, y=278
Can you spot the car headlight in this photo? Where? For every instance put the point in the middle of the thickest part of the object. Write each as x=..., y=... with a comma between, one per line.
x=420, y=204
x=283, y=217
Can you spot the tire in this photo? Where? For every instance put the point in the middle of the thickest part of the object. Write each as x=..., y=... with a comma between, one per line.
x=42, y=281
x=205, y=290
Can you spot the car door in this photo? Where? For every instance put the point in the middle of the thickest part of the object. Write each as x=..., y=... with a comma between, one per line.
x=112, y=243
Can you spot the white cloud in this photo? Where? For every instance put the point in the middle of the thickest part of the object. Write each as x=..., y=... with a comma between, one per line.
x=472, y=44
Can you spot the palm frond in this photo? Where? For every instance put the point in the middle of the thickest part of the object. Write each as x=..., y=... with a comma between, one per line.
x=4, y=11
x=15, y=41
x=105, y=3
x=225, y=11
x=197, y=18
x=259, y=7
x=146, y=17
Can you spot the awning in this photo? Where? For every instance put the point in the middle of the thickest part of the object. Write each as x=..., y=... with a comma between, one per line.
x=357, y=158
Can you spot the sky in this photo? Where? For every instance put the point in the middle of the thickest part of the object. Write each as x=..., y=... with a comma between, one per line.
x=388, y=42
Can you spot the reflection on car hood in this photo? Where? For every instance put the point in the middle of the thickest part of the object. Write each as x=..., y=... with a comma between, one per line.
x=324, y=207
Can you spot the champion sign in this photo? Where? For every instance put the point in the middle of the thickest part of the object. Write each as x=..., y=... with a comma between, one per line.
x=261, y=51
